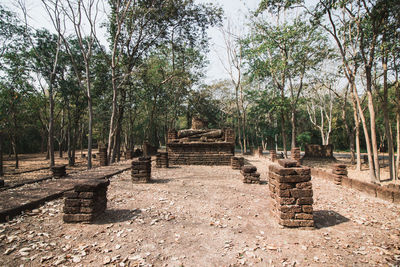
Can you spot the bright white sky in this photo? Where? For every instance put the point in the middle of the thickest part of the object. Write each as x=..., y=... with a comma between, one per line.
x=235, y=11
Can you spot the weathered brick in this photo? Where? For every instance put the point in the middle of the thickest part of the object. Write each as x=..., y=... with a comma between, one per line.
x=287, y=163
x=289, y=171
x=307, y=208
x=73, y=218
x=285, y=201
x=71, y=194
x=294, y=178
x=305, y=201
x=72, y=202
x=287, y=215
x=86, y=194
x=304, y=185
x=304, y=216
x=298, y=193
x=290, y=208
x=283, y=193
x=69, y=209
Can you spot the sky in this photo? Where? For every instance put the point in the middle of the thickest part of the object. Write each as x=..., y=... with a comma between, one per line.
x=234, y=10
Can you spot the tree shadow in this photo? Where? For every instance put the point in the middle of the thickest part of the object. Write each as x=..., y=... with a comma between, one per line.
x=116, y=215
x=174, y=167
x=159, y=181
x=327, y=218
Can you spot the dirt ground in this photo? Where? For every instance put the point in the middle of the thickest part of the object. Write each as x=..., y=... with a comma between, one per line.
x=36, y=161
x=206, y=216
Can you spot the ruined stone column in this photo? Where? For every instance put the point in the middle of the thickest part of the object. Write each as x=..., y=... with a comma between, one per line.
x=295, y=154
x=162, y=160
x=103, y=156
x=59, y=171
x=237, y=163
x=292, y=195
x=229, y=135
x=250, y=174
x=86, y=202
x=272, y=154
x=339, y=171
x=141, y=170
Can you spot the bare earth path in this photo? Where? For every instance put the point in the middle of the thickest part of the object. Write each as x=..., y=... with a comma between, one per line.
x=205, y=216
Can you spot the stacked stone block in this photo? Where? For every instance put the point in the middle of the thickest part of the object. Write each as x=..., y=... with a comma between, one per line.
x=87, y=201
x=339, y=171
x=250, y=174
x=291, y=190
x=199, y=153
x=272, y=153
x=295, y=154
x=162, y=160
x=141, y=170
x=103, y=156
x=237, y=163
x=59, y=171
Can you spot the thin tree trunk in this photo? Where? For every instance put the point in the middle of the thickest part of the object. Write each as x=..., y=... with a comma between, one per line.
x=398, y=142
x=357, y=128
x=367, y=139
x=283, y=133
x=373, y=134
x=1, y=155
x=293, y=123
x=90, y=128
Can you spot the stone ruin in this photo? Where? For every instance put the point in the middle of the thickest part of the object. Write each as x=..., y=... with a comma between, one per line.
x=86, y=202
x=318, y=151
x=58, y=171
x=250, y=174
x=201, y=146
x=237, y=163
x=141, y=170
x=292, y=195
x=103, y=156
x=339, y=171
x=272, y=154
x=162, y=160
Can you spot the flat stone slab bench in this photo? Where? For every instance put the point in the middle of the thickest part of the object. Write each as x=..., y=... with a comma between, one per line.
x=14, y=201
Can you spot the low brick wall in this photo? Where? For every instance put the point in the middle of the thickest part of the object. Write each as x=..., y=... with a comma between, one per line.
x=291, y=190
x=87, y=201
x=387, y=193
x=200, y=153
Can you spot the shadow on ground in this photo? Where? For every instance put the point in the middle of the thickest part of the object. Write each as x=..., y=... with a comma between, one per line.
x=159, y=181
x=328, y=218
x=116, y=216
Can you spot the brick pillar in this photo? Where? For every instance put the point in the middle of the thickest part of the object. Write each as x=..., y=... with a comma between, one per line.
x=237, y=162
x=103, y=156
x=162, y=160
x=272, y=154
x=339, y=171
x=292, y=195
x=87, y=201
x=59, y=171
x=295, y=154
x=141, y=170
x=250, y=174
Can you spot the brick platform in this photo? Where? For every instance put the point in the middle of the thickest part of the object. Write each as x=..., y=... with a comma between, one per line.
x=250, y=174
x=291, y=190
x=87, y=201
x=141, y=170
x=318, y=151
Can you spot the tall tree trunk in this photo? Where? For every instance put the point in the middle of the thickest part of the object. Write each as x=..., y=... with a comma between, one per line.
x=293, y=123
x=1, y=154
x=388, y=130
x=90, y=128
x=367, y=139
x=373, y=133
x=357, y=129
x=283, y=133
x=398, y=142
